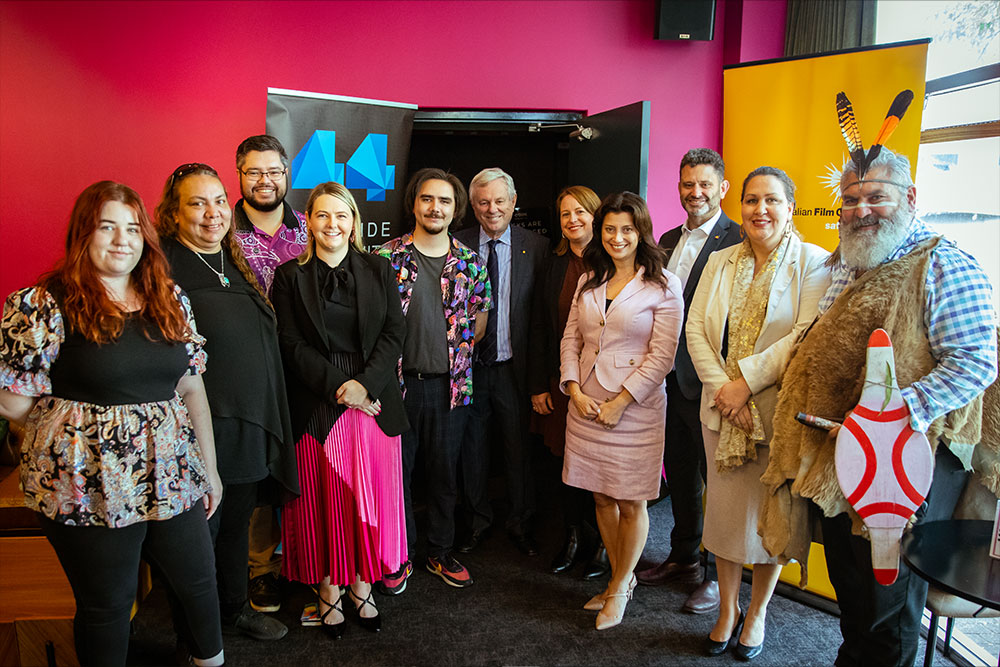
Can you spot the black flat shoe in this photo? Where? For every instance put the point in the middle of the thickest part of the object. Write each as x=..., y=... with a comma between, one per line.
x=567, y=556
x=713, y=647
x=333, y=630
x=599, y=565
x=371, y=623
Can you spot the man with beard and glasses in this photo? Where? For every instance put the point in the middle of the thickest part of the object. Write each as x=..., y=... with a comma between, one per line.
x=891, y=271
x=270, y=233
x=702, y=186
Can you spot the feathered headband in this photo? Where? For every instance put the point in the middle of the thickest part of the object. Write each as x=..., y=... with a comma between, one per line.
x=849, y=128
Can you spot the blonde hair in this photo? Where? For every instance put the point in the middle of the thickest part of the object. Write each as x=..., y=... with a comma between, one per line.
x=343, y=194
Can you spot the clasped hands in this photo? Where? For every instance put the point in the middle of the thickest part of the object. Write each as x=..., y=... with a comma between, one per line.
x=732, y=402
x=606, y=414
x=354, y=395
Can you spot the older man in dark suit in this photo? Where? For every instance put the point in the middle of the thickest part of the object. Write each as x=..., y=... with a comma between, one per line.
x=702, y=186
x=500, y=400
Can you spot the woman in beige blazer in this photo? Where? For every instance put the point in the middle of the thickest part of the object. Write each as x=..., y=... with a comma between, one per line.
x=618, y=346
x=751, y=304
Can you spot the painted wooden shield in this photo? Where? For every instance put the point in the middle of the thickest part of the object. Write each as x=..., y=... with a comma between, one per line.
x=884, y=467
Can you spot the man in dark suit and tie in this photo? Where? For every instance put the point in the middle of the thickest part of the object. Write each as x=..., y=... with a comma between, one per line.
x=702, y=186
x=500, y=400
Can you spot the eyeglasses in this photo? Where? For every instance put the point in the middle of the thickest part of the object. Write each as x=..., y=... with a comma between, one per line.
x=187, y=169
x=256, y=174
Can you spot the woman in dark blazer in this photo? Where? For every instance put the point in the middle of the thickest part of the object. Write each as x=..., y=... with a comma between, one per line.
x=341, y=331
x=576, y=206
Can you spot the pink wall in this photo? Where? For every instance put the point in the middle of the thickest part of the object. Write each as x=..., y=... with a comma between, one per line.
x=763, y=30
x=128, y=91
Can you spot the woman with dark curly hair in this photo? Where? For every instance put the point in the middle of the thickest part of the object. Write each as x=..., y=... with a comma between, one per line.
x=101, y=364
x=244, y=380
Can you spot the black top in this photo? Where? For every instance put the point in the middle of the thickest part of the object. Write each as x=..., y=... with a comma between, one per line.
x=131, y=370
x=244, y=378
x=425, y=349
x=340, y=309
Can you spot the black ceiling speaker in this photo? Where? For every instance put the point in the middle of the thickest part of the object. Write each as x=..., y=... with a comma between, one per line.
x=685, y=19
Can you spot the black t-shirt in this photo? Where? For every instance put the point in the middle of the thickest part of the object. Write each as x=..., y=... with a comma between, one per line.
x=425, y=349
x=129, y=370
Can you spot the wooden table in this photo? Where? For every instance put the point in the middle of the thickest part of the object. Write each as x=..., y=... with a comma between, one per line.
x=36, y=601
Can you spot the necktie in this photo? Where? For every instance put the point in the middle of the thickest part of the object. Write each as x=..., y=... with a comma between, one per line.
x=488, y=345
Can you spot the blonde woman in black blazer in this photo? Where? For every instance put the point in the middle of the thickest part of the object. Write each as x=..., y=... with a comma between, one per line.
x=341, y=330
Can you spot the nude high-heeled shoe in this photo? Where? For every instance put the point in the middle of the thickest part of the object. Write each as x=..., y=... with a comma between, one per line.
x=596, y=603
x=610, y=620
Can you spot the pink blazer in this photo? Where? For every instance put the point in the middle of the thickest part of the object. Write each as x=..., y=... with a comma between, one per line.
x=630, y=346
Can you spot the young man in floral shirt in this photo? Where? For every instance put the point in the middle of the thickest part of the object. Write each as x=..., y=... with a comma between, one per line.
x=445, y=294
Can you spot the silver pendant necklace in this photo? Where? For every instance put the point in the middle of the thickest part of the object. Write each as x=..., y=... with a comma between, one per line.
x=223, y=280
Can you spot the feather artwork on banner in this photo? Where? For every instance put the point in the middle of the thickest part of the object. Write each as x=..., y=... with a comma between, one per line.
x=852, y=135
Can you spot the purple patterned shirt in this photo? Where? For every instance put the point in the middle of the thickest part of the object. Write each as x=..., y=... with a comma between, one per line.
x=265, y=252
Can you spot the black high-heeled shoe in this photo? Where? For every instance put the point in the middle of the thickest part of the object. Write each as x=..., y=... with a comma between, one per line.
x=370, y=623
x=713, y=647
x=567, y=555
x=334, y=630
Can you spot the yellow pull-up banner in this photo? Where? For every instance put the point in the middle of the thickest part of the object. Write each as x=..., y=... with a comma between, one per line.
x=783, y=114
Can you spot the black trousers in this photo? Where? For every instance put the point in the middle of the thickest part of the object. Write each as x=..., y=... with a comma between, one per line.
x=684, y=463
x=881, y=624
x=437, y=430
x=230, y=530
x=497, y=406
x=102, y=565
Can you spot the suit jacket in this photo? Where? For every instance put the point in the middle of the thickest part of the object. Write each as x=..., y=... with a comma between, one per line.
x=527, y=256
x=311, y=377
x=799, y=282
x=630, y=346
x=725, y=234
x=543, y=353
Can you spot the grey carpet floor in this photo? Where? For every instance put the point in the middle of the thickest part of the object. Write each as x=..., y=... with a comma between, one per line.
x=515, y=614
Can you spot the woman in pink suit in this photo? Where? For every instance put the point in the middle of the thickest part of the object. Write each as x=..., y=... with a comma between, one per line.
x=617, y=349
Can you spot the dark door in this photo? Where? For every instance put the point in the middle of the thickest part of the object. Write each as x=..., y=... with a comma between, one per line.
x=616, y=156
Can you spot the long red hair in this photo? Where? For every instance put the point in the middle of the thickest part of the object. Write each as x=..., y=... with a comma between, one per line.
x=85, y=305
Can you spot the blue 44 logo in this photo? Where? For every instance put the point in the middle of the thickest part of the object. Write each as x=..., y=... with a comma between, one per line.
x=366, y=168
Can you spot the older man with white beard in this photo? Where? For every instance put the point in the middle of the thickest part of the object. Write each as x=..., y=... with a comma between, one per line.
x=891, y=271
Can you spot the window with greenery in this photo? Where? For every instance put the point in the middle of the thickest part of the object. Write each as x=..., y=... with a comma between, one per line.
x=958, y=168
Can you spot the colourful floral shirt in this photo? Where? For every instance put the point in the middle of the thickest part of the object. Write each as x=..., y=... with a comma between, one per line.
x=465, y=292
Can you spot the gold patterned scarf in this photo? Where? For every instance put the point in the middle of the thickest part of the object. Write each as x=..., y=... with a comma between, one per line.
x=747, y=308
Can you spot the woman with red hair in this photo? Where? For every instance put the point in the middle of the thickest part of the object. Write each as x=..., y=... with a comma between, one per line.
x=100, y=366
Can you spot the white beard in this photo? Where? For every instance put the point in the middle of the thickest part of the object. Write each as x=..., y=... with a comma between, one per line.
x=864, y=251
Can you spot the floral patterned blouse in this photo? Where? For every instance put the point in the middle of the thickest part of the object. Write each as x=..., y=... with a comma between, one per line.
x=465, y=291
x=109, y=442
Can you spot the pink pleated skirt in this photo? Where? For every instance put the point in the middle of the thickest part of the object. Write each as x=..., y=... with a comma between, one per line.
x=349, y=519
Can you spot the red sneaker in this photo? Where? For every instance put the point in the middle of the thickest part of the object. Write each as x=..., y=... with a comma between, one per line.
x=395, y=583
x=450, y=570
